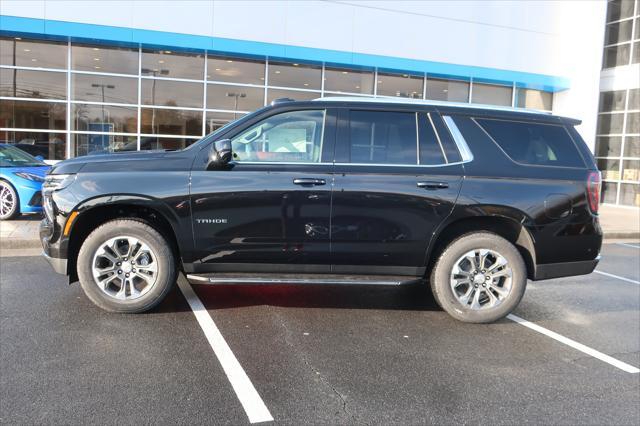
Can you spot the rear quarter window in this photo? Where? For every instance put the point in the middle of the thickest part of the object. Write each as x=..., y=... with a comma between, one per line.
x=533, y=143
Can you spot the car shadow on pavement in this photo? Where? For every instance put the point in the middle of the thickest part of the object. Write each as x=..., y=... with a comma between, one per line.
x=413, y=297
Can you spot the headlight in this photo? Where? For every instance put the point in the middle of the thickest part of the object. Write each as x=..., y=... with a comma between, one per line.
x=29, y=176
x=57, y=182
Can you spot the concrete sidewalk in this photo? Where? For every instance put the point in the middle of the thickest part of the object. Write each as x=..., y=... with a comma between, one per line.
x=617, y=223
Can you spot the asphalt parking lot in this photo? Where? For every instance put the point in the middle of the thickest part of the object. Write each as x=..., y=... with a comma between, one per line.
x=321, y=354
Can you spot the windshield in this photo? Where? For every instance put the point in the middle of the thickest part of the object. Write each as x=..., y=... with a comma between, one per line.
x=14, y=157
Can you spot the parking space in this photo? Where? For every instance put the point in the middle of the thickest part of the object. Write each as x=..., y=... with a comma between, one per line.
x=320, y=354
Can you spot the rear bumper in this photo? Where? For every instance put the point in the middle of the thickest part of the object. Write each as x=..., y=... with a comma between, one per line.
x=566, y=269
x=58, y=265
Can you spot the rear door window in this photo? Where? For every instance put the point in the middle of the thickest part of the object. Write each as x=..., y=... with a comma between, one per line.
x=533, y=143
x=382, y=137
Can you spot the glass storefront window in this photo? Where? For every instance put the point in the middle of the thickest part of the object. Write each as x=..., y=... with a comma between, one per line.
x=400, y=85
x=608, y=146
x=51, y=146
x=345, y=80
x=616, y=56
x=32, y=53
x=104, y=88
x=634, y=99
x=610, y=123
x=98, y=58
x=610, y=168
x=301, y=76
x=172, y=93
x=216, y=119
x=33, y=115
x=234, y=98
x=619, y=9
x=636, y=52
x=234, y=70
x=536, y=99
x=613, y=101
x=104, y=118
x=33, y=84
x=291, y=94
x=447, y=90
x=633, y=122
x=632, y=146
x=618, y=32
x=167, y=63
x=171, y=122
x=94, y=144
x=630, y=194
x=631, y=170
x=491, y=94
x=609, y=192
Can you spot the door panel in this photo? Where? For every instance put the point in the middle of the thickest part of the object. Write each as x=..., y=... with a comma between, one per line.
x=382, y=217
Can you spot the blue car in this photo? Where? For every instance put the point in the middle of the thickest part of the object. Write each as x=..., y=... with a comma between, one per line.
x=21, y=177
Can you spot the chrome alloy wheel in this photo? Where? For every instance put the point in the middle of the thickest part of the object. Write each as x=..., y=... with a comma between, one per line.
x=7, y=200
x=124, y=268
x=481, y=279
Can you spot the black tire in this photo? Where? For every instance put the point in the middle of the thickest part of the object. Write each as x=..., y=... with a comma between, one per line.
x=166, y=267
x=441, y=276
x=15, y=210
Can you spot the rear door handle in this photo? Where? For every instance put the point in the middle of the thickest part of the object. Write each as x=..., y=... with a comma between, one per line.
x=433, y=185
x=309, y=181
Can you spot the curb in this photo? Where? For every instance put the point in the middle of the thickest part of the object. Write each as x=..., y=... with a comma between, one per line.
x=621, y=236
x=19, y=243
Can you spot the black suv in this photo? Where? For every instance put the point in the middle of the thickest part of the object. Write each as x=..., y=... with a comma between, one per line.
x=473, y=200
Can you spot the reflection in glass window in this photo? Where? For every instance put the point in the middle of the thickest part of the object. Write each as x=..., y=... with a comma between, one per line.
x=234, y=98
x=295, y=75
x=609, y=192
x=103, y=88
x=382, y=137
x=491, y=94
x=104, y=118
x=216, y=120
x=631, y=170
x=630, y=194
x=615, y=56
x=31, y=53
x=535, y=99
x=33, y=115
x=33, y=84
x=234, y=70
x=291, y=94
x=98, y=58
x=610, y=123
x=92, y=144
x=51, y=146
x=430, y=149
x=166, y=63
x=400, y=85
x=171, y=122
x=633, y=122
x=613, y=101
x=632, y=146
x=348, y=81
x=172, y=93
x=636, y=52
x=610, y=168
x=294, y=136
x=447, y=90
x=608, y=146
x=618, y=32
x=619, y=9
x=634, y=99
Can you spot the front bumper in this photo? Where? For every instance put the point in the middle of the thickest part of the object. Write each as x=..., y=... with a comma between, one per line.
x=58, y=265
x=566, y=269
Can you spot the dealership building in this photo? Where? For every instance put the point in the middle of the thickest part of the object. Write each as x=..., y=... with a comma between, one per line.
x=91, y=77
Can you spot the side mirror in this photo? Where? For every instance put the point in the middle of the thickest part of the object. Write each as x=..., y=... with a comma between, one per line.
x=220, y=154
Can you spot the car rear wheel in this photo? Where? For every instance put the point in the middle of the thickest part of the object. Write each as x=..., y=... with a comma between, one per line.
x=126, y=266
x=9, y=204
x=479, y=278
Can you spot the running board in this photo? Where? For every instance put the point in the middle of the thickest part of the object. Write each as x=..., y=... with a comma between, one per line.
x=233, y=278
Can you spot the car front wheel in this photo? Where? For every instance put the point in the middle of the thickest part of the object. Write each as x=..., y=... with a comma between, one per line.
x=126, y=266
x=480, y=277
x=9, y=204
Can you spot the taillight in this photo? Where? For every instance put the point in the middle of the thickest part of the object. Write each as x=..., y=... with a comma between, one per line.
x=593, y=191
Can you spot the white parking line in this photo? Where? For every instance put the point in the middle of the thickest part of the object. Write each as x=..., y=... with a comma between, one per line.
x=618, y=277
x=253, y=405
x=629, y=245
x=575, y=345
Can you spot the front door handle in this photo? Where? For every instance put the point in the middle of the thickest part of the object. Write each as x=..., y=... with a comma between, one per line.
x=309, y=181
x=433, y=185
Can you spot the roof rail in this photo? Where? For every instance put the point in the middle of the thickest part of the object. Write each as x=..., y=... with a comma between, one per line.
x=281, y=101
x=369, y=99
